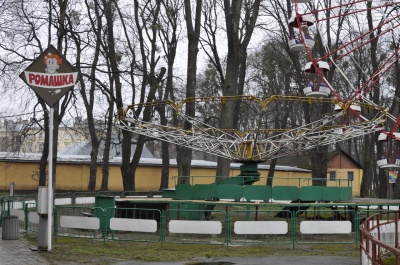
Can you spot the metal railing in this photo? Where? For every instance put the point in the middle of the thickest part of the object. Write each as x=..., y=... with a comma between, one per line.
x=247, y=224
x=379, y=238
x=236, y=225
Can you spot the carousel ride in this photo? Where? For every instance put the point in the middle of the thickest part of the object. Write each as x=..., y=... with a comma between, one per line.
x=255, y=139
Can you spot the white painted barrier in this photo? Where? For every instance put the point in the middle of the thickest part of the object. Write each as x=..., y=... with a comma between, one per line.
x=63, y=201
x=325, y=227
x=195, y=227
x=133, y=225
x=78, y=222
x=261, y=227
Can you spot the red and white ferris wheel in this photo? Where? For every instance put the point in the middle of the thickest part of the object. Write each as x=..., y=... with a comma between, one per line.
x=315, y=17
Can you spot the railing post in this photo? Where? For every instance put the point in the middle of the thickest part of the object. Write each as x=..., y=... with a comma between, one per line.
x=26, y=217
x=105, y=221
x=379, y=218
x=73, y=199
x=373, y=254
x=227, y=228
x=357, y=226
x=247, y=213
x=2, y=208
x=55, y=214
x=396, y=234
x=8, y=206
x=163, y=226
x=294, y=227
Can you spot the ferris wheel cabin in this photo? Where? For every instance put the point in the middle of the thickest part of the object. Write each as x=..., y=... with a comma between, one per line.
x=300, y=36
x=389, y=160
x=316, y=87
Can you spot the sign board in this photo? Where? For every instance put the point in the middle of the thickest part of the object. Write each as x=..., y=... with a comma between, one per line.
x=51, y=76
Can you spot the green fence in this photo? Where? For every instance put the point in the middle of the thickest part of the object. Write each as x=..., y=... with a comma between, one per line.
x=240, y=225
x=299, y=189
x=202, y=222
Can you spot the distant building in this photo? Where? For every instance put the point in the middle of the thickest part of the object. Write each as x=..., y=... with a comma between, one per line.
x=342, y=168
x=27, y=136
x=84, y=148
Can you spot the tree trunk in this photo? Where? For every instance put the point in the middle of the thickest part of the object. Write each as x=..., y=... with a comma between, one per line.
x=127, y=178
x=368, y=160
x=238, y=40
x=107, y=145
x=165, y=165
x=184, y=154
x=271, y=172
x=319, y=163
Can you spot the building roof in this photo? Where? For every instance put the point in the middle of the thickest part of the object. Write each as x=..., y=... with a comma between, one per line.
x=156, y=162
x=84, y=149
x=303, y=161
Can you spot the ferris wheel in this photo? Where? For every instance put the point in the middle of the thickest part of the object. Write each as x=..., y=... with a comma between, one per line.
x=309, y=15
x=252, y=142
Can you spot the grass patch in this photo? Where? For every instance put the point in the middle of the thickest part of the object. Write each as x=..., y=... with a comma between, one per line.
x=89, y=251
x=389, y=260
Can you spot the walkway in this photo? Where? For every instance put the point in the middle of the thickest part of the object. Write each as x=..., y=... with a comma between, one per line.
x=295, y=260
x=17, y=252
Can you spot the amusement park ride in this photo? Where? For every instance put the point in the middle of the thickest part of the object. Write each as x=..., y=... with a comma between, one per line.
x=258, y=143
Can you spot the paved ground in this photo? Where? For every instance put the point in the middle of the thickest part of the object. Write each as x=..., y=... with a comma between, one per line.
x=17, y=252
x=293, y=260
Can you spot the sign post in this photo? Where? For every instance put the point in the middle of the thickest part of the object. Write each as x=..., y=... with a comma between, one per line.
x=50, y=76
x=50, y=188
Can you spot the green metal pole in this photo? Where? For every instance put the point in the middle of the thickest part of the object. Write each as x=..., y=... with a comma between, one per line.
x=26, y=212
x=247, y=213
x=55, y=223
x=294, y=229
x=163, y=226
x=227, y=228
x=357, y=226
x=73, y=199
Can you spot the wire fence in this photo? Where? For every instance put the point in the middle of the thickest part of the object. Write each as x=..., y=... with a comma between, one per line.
x=199, y=223
x=259, y=224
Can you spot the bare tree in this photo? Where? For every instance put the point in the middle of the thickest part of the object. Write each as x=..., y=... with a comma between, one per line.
x=89, y=96
x=184, y=154
x=240, y=21
x=145, y=22
x=169, y=35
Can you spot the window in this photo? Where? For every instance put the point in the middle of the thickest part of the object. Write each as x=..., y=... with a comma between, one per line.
x=67, y=136
x=350, y=175
x=332, y=175
x=40, y=136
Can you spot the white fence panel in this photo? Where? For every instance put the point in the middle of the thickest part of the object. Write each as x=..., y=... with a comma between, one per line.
x=261, y=227
x=92, y=223
x=133, y=225
x=195, y=227
x=325, y=227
